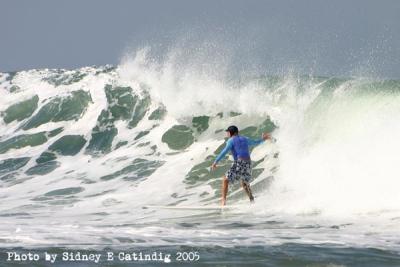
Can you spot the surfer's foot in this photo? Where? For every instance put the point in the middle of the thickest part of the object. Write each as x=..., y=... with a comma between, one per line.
x=251, y=199
x=223, y=202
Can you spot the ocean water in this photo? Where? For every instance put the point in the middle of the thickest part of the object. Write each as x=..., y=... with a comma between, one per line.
x=82, y=151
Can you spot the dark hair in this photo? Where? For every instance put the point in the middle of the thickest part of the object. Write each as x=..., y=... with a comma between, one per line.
x=232, y=130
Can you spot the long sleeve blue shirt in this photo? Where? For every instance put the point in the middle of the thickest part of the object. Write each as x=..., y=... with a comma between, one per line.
x=239, y=146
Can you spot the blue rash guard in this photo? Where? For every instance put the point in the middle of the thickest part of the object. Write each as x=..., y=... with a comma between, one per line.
x=239, y=146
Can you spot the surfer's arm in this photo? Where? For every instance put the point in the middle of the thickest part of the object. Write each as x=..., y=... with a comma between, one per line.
x=224, y=151
x=253, y=142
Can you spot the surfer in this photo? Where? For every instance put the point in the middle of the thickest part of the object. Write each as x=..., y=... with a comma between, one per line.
x=241, y=167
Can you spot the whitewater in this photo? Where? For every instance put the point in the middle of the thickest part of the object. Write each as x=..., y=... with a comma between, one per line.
x=83, y=150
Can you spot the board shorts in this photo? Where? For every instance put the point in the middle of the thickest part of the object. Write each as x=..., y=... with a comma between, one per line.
x=240, y=169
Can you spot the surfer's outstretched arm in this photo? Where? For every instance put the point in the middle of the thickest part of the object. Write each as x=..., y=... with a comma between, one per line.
x=222, y=154
x=255, y=142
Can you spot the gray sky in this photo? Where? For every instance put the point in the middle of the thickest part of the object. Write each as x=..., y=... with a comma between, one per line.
x=318, y=37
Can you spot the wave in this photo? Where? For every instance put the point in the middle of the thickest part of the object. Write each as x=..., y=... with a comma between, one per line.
x=146, y=132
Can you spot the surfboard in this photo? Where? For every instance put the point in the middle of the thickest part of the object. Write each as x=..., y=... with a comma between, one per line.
x=208, y=207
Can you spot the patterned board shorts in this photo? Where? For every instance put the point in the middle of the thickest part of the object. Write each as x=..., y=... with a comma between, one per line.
x=240, y=169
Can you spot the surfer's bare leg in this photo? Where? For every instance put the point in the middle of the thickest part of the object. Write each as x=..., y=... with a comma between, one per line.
x=247, y=189
x=224, y=190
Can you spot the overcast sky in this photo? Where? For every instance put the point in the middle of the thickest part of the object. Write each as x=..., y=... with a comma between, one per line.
x=339, y=38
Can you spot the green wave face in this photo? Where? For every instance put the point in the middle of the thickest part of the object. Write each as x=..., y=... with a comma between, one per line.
x=21, y=110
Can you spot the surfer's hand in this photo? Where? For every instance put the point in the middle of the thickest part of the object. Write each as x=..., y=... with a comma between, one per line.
x=213, y=166
x=266, y=136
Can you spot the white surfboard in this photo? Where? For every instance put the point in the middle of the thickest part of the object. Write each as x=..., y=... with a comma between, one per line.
x=179, y=207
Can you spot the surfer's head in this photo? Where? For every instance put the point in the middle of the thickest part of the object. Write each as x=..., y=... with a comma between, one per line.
x=232, y=130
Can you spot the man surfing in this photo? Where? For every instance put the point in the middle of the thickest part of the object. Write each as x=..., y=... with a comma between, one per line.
x=241, y=167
